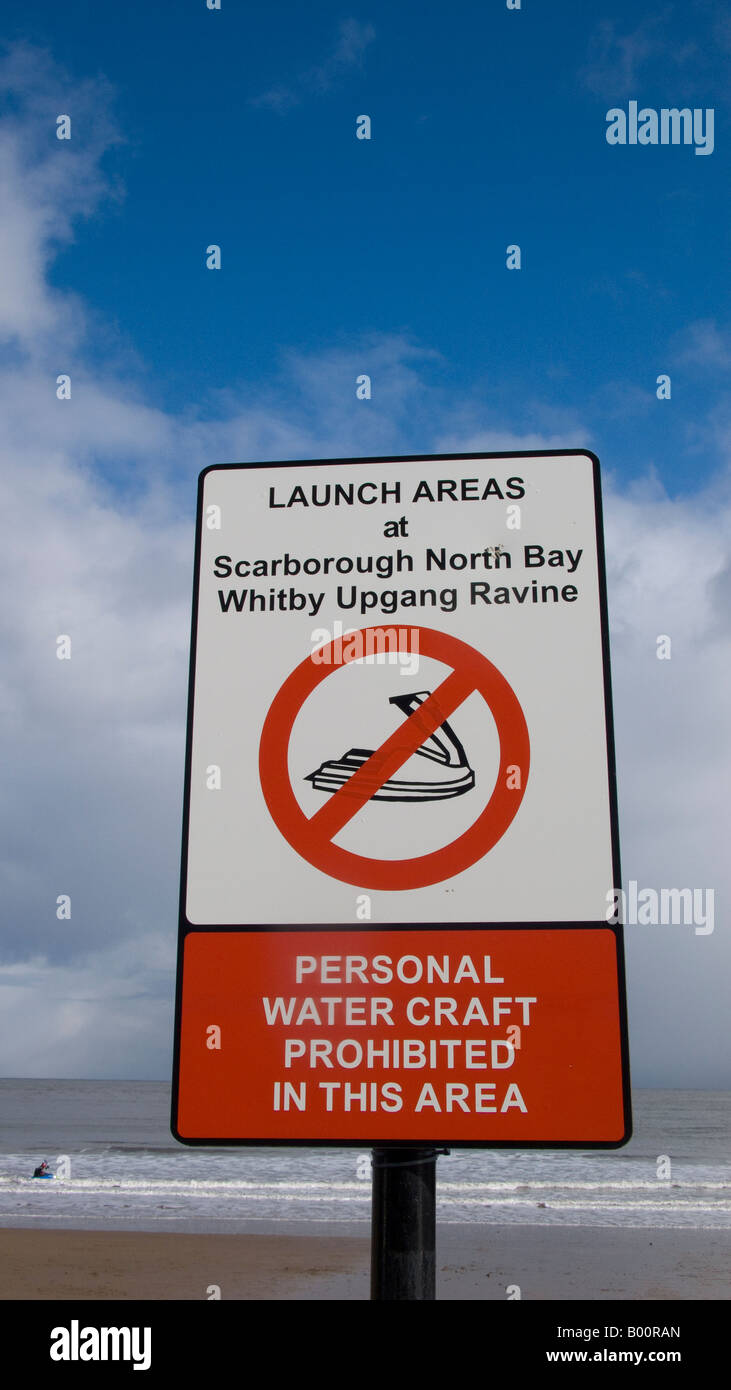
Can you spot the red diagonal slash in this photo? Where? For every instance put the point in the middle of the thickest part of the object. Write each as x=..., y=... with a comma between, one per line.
x=386, y=760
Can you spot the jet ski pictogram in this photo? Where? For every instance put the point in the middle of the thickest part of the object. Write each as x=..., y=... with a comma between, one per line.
x=450, y=774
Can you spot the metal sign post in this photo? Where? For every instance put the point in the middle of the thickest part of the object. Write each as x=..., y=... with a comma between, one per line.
x=403, y=1224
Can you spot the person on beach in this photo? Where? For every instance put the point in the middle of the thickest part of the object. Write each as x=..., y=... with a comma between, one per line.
x=42, y=1171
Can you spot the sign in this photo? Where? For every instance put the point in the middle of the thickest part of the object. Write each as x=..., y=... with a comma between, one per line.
x=312, y=837
x=400, y=836
x=381, y=1033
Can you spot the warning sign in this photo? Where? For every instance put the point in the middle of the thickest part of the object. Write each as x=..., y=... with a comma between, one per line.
x=365, y=776
x=400, y=719
x=487, y=1037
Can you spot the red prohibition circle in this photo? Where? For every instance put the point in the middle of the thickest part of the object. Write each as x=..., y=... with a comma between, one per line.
x=312, y=837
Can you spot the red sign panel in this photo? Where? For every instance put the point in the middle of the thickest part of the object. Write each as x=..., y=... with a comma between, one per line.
x=487, y=1036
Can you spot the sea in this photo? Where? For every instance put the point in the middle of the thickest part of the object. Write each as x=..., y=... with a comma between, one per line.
x=121, y=1169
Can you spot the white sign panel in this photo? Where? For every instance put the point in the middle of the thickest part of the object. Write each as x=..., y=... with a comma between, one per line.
x=400, y=694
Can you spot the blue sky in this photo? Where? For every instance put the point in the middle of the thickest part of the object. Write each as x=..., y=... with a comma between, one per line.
x=238, y=128
x=341, y=256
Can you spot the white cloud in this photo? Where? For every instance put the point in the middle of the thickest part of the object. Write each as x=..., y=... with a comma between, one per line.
x=667, y=561
x=614, y=59
x=352, y=41
x=346, y=53
x=616, y=62
x=109, y=1016
x=48, y=186
x=704, y=344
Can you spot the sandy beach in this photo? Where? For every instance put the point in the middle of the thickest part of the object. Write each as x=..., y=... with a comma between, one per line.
x=472, y=1263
